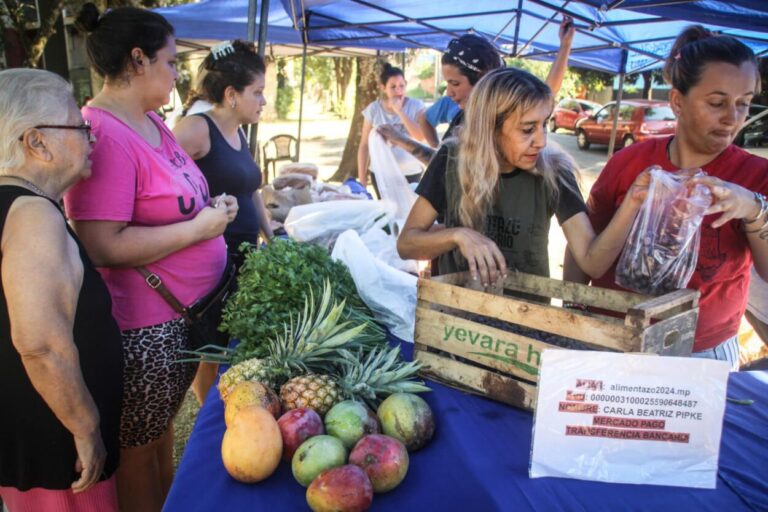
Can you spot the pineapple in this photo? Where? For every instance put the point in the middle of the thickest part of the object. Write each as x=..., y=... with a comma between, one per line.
x=315, y=342
x=369, y=379
x=251, y=369
x=318, y=392
x=374, y=377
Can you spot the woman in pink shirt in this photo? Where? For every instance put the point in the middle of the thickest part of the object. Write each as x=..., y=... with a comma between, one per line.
x=146, y=204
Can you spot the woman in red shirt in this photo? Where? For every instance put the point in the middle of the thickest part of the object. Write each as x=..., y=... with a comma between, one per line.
x=713, y=80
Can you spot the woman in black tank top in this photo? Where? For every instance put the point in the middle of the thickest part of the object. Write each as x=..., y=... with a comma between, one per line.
x=233, y=83
x=61, y=359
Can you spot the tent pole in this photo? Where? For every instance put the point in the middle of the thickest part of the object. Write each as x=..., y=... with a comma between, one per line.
x=263, y=22
x=253, y=135
x=517, y=26
x=614, y=128
x=301, y=98
x=252, y=20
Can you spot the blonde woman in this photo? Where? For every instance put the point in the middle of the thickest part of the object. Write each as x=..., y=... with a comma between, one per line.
x=497, y=189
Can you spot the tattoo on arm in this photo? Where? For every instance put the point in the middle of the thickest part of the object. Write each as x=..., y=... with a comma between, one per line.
x=422, y=153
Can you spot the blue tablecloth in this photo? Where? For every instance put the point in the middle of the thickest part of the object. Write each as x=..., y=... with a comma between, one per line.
x=478, y=461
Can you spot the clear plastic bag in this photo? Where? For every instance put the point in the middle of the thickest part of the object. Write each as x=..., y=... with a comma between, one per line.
x=663, y=245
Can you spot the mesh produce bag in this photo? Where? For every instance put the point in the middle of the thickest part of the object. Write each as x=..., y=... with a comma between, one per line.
x=663, y=245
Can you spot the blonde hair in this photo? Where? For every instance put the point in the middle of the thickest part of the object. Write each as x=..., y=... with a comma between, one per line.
x=28, y=97
x=498, y=95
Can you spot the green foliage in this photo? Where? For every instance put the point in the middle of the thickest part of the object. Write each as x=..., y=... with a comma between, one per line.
x=284, y=101
x=426, y=71
x=536, y=68
x=285, y=92
x=419, y=93
x=272, y=286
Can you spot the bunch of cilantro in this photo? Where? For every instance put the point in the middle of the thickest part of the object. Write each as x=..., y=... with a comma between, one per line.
x=272, y=285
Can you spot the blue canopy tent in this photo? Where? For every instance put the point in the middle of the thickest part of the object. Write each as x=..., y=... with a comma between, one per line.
x=616, y=36
x=199, y=25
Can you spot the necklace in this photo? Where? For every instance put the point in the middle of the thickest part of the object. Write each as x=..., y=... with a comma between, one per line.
x=30, y=185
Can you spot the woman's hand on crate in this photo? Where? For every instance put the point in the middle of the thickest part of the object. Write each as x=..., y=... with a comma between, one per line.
x=483, y=256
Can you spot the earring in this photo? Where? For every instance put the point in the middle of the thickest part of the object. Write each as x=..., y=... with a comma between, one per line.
x=233, y=104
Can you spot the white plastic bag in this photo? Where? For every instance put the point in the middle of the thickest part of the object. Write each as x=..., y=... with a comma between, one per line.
x=321, y=223
x=390, y=293
x=390, y=180
x=383, y=245
x=663, y=245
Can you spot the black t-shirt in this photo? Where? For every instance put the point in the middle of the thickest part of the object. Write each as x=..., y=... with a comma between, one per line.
x=457, y=120
x=520, y=216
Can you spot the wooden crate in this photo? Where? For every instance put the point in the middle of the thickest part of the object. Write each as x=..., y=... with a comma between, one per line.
x=468, y=354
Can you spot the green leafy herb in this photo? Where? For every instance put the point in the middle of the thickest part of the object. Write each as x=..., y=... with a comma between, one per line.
x=271, y=287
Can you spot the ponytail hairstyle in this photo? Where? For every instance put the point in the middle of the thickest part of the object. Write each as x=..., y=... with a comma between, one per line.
x=388, y=71
x=696, y=47
x=231, y=64
x=473, y=56
x=113, y=35
x=498, y=95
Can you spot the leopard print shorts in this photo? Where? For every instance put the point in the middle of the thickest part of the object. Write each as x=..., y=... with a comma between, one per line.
x=154, y=383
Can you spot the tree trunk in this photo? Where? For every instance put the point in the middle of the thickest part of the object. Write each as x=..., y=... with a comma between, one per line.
x=47, y=29
x=342, y=67
x=366, y=91
x=647, y=84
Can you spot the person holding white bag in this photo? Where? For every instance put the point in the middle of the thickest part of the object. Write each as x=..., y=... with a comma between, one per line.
x=399, y=112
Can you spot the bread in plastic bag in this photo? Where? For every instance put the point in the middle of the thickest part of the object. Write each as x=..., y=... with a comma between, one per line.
x=663, y=245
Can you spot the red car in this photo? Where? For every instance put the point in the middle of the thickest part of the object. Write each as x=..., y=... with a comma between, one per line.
x=638, y=120
x=569, y=111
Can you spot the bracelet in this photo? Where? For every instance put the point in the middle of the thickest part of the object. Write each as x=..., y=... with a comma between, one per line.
x=760, y=198
x=765, y=225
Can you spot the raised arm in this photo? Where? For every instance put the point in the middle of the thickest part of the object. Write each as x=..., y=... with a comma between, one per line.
x=560, y=65
x=42, y=274
x=411, y=125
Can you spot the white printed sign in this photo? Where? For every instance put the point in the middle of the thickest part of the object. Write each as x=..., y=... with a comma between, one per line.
x=629, y=418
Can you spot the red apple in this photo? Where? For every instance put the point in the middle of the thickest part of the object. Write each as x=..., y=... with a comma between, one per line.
x=346, y=488
x=297, y=426
x=384, y=459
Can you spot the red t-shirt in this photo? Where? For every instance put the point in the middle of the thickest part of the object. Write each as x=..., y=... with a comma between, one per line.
x=722, y=271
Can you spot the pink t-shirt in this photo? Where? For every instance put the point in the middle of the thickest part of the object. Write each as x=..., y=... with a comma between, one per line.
x=142, y=185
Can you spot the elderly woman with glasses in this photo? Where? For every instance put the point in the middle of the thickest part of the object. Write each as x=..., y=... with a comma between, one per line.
x=60, y=350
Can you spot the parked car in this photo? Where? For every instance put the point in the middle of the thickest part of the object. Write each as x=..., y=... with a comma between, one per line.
x=753, y=136
x=638, y=120
x=569, y=111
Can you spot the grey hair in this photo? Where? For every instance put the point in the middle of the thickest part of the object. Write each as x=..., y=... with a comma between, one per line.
x=28, y=97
